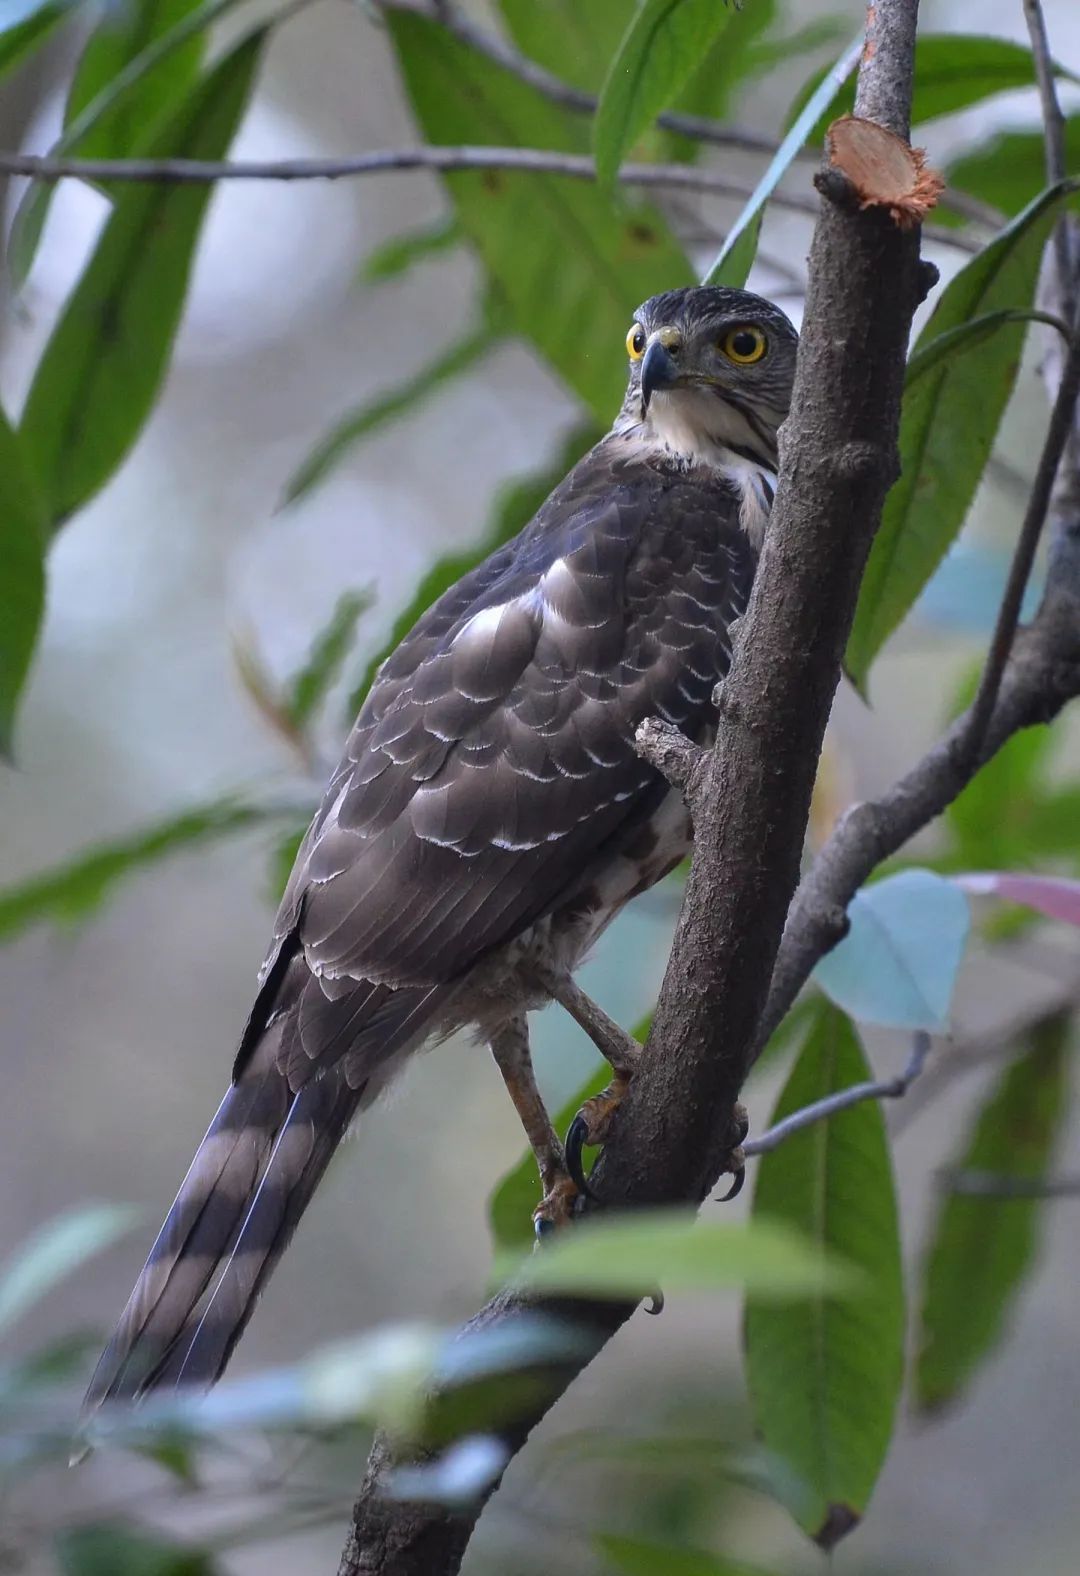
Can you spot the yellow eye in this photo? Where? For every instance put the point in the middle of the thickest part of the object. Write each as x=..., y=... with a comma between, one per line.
x=744, y=345
x=635, y=342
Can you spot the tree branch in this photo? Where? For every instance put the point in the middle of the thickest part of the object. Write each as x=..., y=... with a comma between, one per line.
x=751, y=798
x=842, y=1100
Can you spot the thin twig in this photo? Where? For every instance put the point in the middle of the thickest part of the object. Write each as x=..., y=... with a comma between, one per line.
x=996, y=1185
x=874, y=1089
x=1057, y=436
x=1054, y=140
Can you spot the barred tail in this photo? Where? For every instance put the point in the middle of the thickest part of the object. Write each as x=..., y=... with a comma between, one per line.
x=237, y=1208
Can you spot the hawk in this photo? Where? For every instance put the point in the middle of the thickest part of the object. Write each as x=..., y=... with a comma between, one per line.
x=489, y=818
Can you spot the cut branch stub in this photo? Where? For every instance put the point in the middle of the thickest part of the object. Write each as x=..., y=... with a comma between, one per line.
x=882, y=170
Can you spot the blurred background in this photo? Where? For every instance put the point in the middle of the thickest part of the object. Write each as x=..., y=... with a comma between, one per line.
x=185, y=573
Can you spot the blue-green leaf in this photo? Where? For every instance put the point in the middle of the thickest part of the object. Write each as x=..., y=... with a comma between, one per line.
x=736, y=257
x=99, y=374
x=661, y=50
x=825, y=1372
x=948, y=425
x=22, y=574
x=898, y=963
x=982, y=1248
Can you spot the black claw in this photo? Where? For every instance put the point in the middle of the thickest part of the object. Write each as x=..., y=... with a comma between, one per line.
x=736, y=1186
x=577, y=1136
x=655, y=1303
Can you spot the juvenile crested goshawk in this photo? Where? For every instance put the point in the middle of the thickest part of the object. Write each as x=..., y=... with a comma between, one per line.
x=490, y=816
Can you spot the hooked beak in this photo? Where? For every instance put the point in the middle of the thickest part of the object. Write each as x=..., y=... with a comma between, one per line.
x=658, y=371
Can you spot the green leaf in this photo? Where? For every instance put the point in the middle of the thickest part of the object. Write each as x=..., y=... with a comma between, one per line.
x=403, y=400
x=402, y=252
x=952, y=71
x=22, y=574
x=117, y=79
x=650, y=1557
x=574, y=39
x=117, y=1550
x=326, y=658
x=736, y=256
x=28, y=28
x=1009, y=170
x=660, y=52
x=629, y=1255
x=514, y=508
x=105, y=360
x=982, y=1248
x=965, y=337
x=948, y=425
x=898, y=963
x=57, y=1251
x=571, y=291
x=121, y=36
x=75, y=889
x=739, y=53
x=825, y=1374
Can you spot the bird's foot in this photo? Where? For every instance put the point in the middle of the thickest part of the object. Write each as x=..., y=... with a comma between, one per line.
x=736, y=1160
x=562, y=1200
x=591, y=1127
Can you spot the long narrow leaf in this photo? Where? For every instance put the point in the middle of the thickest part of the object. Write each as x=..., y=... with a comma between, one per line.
x=309, y=688
x=110, y=103
x=23, y=32
x=105, y=360
x=736, y=257
x=22, y=574
x=405, y=399
x=74, y=889
x=402, y=252
x=983, y=1248
x=660, y=52
x=825, y=1373
x=55, y=1252
x=949, y=423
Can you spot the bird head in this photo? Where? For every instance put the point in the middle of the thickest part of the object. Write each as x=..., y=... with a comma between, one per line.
x=711, y=369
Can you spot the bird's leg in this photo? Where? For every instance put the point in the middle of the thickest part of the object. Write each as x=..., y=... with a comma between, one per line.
x=510, y=1048
x=593, y=1122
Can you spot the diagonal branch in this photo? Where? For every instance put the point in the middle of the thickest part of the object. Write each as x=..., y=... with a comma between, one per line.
x=751, y=799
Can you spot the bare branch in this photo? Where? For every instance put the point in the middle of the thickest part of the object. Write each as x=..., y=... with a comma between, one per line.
x=1056, y=158
x=843, y=1100
x=674, y=755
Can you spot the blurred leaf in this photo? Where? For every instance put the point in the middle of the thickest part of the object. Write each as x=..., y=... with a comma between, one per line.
x=100, y=372
x=649, y=1557
x=514, y=508
x=898, y=963
x=56, y=1251
x=23, y=30
x=823, y=32
x=982, y=1248
x=588, y=261
x=512, y=1200
x=404, y=400
x=1050, y=895
x=283, y=856
x=1009, y=170
x=118, y=1550
x=110, y=84
x=948, y=425
x=456, y=1478
x=310, y=687
x=952, y=70
x=402, y=252
x=22, y=574
x=736, y=256
x=574, y=39
x=660, y=51
x=629, y=1255
x=740, y=52
x=72, y=890
x=825, y=1374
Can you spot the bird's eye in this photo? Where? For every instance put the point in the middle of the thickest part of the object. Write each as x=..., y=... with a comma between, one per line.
x=744, y=345
x=635, y=342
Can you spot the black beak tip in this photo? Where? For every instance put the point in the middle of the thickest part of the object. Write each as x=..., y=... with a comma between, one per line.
x=658, y=371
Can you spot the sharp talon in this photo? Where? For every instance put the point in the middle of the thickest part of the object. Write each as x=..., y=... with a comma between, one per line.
x=736, y=1186
x=655, y=1303
x=577, y=1137
x=542, y=1227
